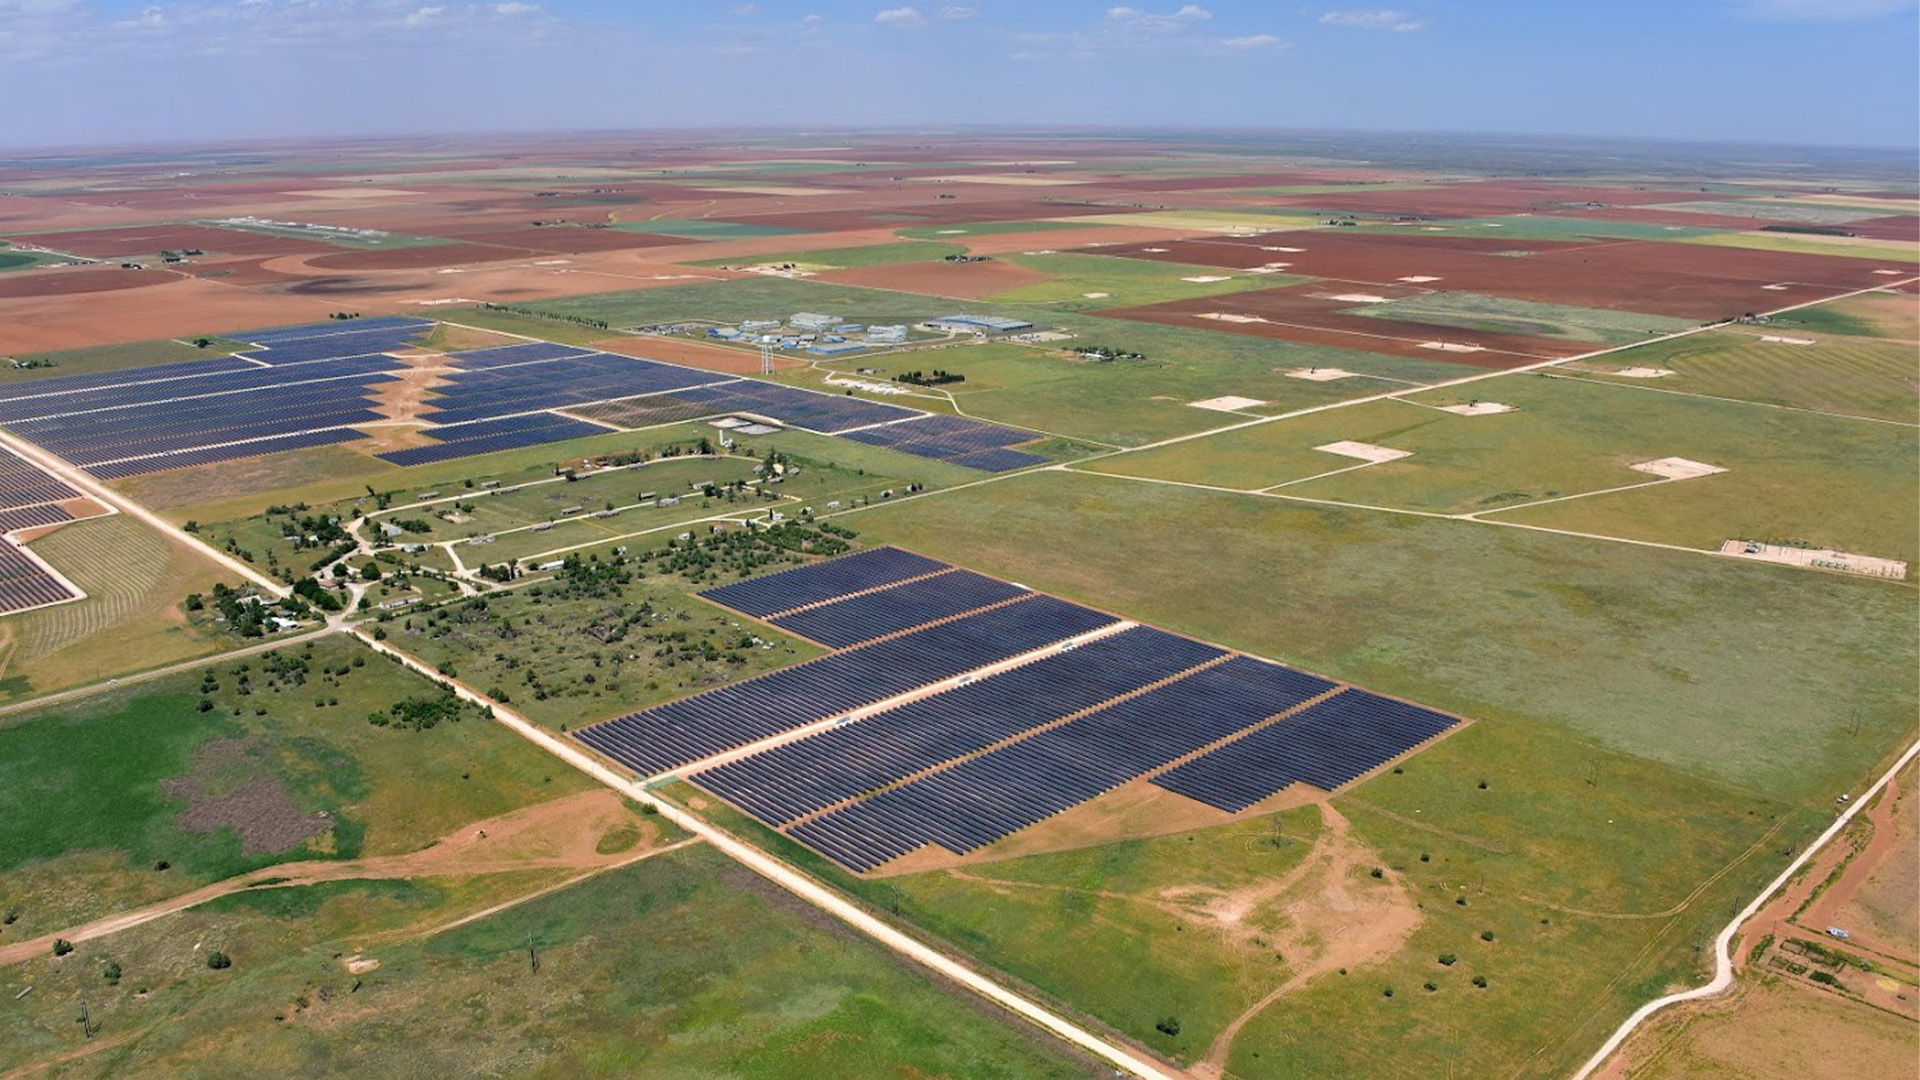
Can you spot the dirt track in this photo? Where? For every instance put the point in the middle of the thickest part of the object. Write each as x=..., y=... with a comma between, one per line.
x=559, y=835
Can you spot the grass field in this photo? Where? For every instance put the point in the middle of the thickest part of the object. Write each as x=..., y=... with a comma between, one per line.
x=86, y=818
x=1471, y=311
x=847, y=257
x=1740, y=1038
x=1895, y=253
x=113, y=358
x=129, y=621
x=1191, y=221
x=1126, y=282
x=1842, y=374
x=1545, y=227
x=1827, y=481
x=678, y=966
x=1792, y=211
x=24, y=260
x=509, y=322
x=1765, y=677
x=560, y=675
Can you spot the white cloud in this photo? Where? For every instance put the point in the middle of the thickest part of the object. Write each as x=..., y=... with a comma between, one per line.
x=901, y=18
x=743, y=11
x=151, y=18
x=958, y=11
x=1252, y=42
x=812, y=20
x=1824, y=10
x=422, y=17
x=510, y=9
x=1147, y=20
x=1398, y=22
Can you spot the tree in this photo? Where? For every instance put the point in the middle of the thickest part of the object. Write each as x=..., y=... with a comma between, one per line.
x=111, y=972
x=61, y=946
x=1169, y=1026
x=218, y=961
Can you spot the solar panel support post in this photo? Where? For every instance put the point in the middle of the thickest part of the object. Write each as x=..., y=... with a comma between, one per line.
x=766, y=359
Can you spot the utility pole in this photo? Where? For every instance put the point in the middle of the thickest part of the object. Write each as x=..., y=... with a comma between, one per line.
x=766, y=359
x=533, y=958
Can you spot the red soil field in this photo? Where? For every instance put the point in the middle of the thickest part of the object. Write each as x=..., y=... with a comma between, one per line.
x=150, y=240
x=171, y=307
x=565, y=240
x=78, y=282
x=1689, y=281
x=695, y=354
x=415, y=258
x=947, y=212
x=1307, y=314
x=961, y=281
x=1896, y=227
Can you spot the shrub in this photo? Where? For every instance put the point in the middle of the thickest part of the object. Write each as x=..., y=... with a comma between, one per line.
x=1480, y=981
x=1486, y=935
x=1825, y=978
x=218, y=961
x=1447, y=959
x=61, y=946
x=1169, y=1026
x=111, y=972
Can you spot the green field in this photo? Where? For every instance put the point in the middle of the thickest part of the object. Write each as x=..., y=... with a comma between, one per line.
x=1852, y=375
x=847, y=258
x=677, y=966
x=1827, y=481
x=1126, y=282
x=23, y=260
x=1894, y=253
x=1793, y=211
x=1765, y=677
x=560, y=675
x=1498, y=315
x=85, y=819
x=130, y=619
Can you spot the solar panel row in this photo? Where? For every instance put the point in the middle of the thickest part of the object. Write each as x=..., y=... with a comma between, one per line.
x=502, y=355
x=24, y=583
x=26, y=517
x=824, y=413
x=986, y=798
x=951, y=438
x=789, y=781
x=331, y=327
x=232, y=452
x=22, y=482
x=1327, y=744
x=853, y=620
x=172, y=390
x=688, y=730
x=484, y=393
x=486, y=436
x=771, y=594
x=332, y=346
x=69, y=384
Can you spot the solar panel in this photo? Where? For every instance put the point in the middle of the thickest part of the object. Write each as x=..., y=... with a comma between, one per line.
x=771, y=594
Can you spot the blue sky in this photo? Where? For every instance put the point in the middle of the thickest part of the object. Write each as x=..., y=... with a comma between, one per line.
x=1798, y=71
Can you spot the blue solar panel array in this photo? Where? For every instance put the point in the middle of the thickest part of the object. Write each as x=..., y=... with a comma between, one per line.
x=485, y=393
x=173, y=390
x=24, y=584
x=22, y=482
x=771, y=594
x=890, y=610
x=825, y=413
x=1327, y=744
x=784, y=783
x=502, y=355
x=486, y=436
x=988, y=797
x=49, y=389
x=26, y=517
x=332, y=346
x=280, y=334
x=684, y=731
x=956, y=439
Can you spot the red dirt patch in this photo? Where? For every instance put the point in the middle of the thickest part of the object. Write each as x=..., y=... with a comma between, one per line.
x=228, y=787
x=153, y=239
x=694, y=354
x=1486, y=198
x=414, y=258
x=79, y=282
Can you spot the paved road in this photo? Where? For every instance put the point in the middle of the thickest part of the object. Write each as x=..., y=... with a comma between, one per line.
x=800, y=885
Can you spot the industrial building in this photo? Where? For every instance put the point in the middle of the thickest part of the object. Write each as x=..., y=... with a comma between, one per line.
x=978, y=324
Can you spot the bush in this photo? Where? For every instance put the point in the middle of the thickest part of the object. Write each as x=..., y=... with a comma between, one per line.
x=111, y=972
x=1447, y=959
x=1169, y=1027
x=218, y=961
x=1480, y=981
x=1825, y=977
x=1486, y=935
x=61, y=946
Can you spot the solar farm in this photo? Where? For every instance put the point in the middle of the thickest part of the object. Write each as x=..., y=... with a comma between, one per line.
x=1276, y=606
x=959, y=709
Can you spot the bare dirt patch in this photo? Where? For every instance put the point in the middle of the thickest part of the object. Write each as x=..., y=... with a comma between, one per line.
x=695, y=354
x=229, y=786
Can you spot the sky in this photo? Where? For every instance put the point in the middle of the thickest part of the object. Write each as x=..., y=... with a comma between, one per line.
x=93, y=72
